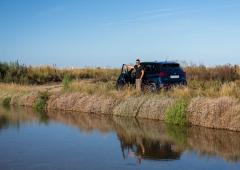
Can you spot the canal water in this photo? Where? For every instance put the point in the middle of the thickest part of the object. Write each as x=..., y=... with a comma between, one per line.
x=68, y=140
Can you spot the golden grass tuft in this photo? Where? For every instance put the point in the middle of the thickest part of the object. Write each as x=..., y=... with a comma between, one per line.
x=230, y=89
x=14, y=88
x=220, y=73
x=102, y=88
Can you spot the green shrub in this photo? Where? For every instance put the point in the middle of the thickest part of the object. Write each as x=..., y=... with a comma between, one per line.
x=66, y=81
x=6, y=102
x=176, y=114
x=41, y=102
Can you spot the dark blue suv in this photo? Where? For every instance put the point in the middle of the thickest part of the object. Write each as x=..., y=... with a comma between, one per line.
x=157, y=75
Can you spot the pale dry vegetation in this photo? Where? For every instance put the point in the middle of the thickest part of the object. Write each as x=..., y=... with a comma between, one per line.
x=194, y=89
x=22, y=74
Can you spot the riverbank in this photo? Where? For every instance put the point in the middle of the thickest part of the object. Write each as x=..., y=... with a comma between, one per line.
x=221, y=112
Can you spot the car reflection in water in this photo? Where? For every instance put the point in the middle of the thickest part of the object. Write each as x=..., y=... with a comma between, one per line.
x=143, y=149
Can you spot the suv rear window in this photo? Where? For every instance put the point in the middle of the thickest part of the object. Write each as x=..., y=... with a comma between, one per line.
x=171, y=65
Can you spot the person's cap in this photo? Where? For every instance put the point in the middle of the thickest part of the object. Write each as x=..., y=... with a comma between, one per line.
x=138, y=60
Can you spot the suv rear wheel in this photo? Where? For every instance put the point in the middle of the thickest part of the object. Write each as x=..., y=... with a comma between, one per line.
x=150, y=87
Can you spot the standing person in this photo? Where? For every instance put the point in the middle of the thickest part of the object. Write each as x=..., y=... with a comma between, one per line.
x=139, y=74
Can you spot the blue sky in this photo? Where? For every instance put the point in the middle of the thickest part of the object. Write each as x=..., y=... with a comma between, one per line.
x=112, y=32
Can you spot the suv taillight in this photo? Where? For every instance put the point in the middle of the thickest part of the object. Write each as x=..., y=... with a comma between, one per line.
x=163, y=74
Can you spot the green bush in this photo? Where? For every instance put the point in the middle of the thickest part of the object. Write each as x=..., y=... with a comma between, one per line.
x=41, y=102
x=176, y=114
x=66, y=81
x=6, y=102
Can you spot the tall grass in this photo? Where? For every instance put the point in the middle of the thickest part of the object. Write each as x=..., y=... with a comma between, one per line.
x=102, y=88
x=13, y=88
x=22, y=74
x=230, y=89
x=66, y=82
x=194, y=89
x=218, y=73
x=176, y=114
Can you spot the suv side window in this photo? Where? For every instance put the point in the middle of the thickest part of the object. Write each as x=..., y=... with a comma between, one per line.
x=150, y=68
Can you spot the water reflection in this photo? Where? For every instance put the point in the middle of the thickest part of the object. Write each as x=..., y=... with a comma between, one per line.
x=4, y=122
x=145, y=149
x=138, y=139
x=14, y=116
